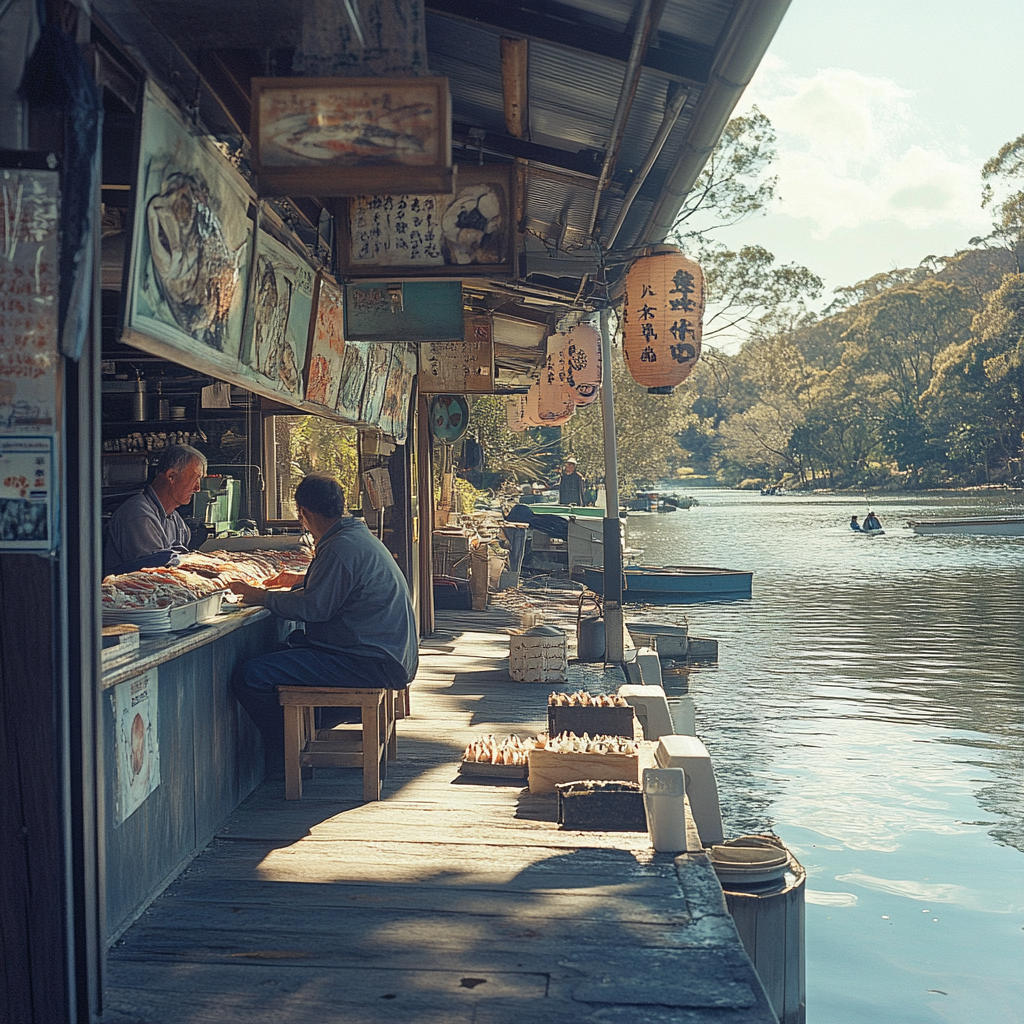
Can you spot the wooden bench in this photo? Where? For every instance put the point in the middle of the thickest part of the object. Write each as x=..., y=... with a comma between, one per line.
x=369, y=749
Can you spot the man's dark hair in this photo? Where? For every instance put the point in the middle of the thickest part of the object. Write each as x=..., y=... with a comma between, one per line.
x=179, y=457
x=321, y=494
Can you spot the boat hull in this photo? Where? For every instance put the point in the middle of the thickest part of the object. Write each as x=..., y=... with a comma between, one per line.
x=996, y=526
x=675, y=583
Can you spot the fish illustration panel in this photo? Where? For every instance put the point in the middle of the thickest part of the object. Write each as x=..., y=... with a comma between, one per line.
x=351, y=123
x=277, y=328
x=378, y=367
x=191, y=241
x=353, y=380
x=395, y=419
x=327, y=355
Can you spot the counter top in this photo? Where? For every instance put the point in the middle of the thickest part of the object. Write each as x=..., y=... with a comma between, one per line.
x=161, y=647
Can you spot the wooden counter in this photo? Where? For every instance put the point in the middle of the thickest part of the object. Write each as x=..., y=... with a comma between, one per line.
x=208, y=753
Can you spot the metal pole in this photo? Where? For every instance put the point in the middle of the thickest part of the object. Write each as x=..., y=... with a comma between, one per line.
x=613, y=629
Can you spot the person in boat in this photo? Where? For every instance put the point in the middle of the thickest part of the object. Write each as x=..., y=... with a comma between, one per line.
x=354, y=601
x=572, y=488
x=872, y=522
x=854, y=525
x=147, y=529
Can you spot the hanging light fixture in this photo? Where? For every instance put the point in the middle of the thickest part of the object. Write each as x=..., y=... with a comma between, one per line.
x=663, y=317
x=583, y=363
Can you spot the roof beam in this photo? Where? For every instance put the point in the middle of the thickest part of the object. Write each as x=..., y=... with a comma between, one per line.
x=676, y=58
x=469, y=137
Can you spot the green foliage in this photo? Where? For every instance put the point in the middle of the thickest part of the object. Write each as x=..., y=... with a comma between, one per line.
x=647, y=428
x=507, y=455
x=1003, y=192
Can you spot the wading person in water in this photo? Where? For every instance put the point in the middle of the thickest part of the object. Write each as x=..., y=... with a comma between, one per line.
x=854, y=525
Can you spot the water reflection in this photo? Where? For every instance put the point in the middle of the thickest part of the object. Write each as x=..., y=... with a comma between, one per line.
x=867, y=706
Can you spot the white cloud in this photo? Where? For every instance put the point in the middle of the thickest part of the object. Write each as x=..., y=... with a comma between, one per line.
x=852, y=153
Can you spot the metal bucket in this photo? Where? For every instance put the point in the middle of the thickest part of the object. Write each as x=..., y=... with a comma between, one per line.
x=590, y=638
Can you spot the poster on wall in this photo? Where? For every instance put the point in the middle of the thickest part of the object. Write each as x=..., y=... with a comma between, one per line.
x=378, y=365
x=353, y=380
x=343, y=136
x=326, y=344
x=191, y=241
x=470, y=232
x=277, y=327
x=28, y=301
x=394, y=416
x=136, y=742
x=27, y=496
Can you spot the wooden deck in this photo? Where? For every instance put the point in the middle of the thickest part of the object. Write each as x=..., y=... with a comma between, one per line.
x=448, y=901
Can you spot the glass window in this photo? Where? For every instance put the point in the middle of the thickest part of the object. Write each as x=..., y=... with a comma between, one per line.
x=295, y=445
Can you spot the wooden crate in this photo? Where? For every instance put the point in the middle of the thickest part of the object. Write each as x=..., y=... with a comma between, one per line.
x=548, y=768
x=593, y=721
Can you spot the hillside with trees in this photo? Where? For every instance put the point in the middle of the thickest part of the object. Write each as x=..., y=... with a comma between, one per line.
x=913, y=378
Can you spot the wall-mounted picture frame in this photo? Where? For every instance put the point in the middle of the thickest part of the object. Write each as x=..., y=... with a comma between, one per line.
x=353, y=380
x=394, y=416
x=471, y=232
x=378, y=366
x=280, y=310
x=325, y=361
x=192, y=235
x=351, y=136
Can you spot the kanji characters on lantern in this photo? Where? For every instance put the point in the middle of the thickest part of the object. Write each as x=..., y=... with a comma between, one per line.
x=583, y=363
x=662, y=318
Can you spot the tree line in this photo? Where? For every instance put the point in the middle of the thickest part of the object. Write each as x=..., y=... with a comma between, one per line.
x=911, y=378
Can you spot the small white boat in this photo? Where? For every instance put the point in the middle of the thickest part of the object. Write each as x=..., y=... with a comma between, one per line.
x=1002, y=526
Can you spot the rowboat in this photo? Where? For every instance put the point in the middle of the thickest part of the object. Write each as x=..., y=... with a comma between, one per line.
x=667, y=584
x=1002, y=526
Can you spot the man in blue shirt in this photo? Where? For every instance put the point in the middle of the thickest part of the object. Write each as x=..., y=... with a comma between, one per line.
x=147, y=530
x=360, y=624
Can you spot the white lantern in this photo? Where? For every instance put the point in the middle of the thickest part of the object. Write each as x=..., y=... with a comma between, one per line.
x=555, y=404
x=583, y=363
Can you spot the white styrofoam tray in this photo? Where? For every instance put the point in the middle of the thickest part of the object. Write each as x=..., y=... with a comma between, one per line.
x=168, y=620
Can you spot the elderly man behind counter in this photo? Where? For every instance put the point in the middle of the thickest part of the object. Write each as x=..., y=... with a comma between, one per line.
x=147, y=530
x=360, y=624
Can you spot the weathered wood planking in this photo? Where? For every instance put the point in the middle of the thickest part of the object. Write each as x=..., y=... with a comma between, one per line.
x=446, y=901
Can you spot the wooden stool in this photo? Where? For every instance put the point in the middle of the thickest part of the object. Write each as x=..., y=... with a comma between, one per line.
x=327, y=748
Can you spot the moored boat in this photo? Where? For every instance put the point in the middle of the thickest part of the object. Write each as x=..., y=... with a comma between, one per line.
x=1002, y=526
x=654, y=584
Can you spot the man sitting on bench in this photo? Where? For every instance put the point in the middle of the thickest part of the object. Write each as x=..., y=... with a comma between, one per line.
x=360, y=625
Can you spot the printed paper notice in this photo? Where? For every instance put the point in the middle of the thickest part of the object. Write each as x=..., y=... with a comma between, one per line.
x=136, y=742
x=27, y=516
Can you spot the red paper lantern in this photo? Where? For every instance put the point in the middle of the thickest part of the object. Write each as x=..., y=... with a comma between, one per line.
x=583, y=363
x=662, y=319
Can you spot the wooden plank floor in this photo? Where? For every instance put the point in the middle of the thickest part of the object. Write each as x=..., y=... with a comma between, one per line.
x=449, y=901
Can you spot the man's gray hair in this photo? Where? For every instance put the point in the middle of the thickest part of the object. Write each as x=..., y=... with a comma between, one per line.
x=178, y=456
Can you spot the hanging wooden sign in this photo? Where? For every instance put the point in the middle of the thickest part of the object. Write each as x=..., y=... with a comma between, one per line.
x=469, y=232
x=352, y=136
x=403, y=311
x=459, y=367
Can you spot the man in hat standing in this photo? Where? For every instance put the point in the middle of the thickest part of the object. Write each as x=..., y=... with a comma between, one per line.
x=572, y=488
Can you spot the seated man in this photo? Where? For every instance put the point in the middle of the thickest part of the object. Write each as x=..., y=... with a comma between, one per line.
x=147, y=530
x=360, y=624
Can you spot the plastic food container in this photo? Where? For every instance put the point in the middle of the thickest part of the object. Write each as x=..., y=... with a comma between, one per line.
x=168, y=620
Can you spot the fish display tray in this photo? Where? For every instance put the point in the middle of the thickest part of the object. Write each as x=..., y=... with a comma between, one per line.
x=548, y=768
x=485, y=769
x=168, y=620
x=593, y=721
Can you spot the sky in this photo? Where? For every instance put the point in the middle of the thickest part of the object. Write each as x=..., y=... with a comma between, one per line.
x=885, y=111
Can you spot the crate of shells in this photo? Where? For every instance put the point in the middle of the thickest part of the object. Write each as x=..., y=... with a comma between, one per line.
x=582, y=712
x=495, y=758
x=572, y=758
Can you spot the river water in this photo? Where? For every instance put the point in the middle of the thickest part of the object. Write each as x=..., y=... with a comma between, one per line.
x=868, y=707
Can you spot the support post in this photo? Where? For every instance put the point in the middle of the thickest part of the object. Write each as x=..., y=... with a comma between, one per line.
x=613, y=627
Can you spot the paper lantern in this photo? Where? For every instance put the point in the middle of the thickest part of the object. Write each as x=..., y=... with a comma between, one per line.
x=555, y=402
x=583, y=363
x=662, y=319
